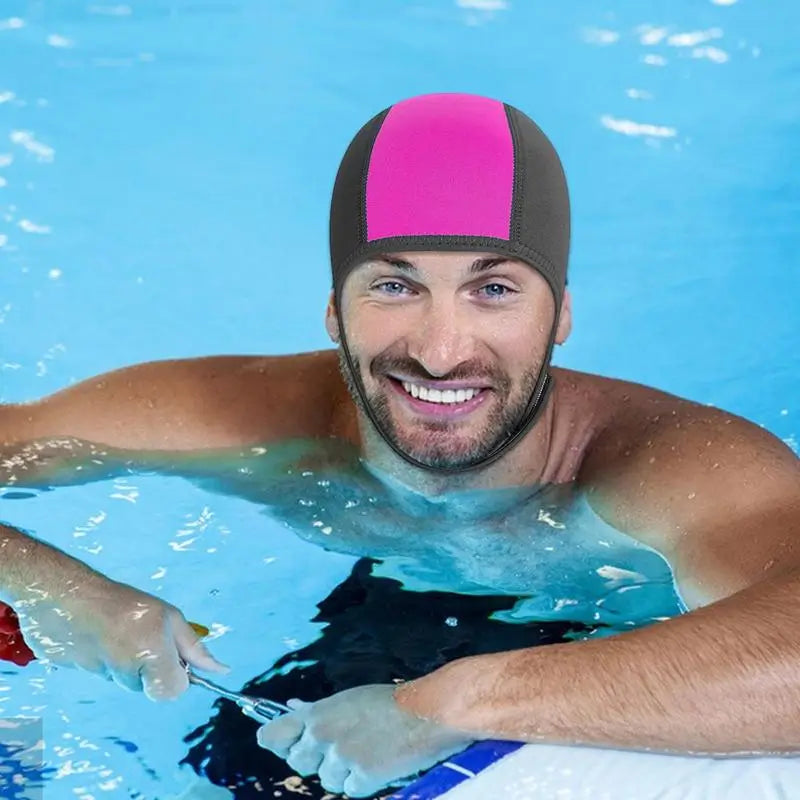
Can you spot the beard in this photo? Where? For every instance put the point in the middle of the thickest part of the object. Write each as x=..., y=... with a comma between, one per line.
x=440, y=444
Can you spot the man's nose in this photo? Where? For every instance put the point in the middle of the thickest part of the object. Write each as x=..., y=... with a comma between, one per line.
x=442, y=339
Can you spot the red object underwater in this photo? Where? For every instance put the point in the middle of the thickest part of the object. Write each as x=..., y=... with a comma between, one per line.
x=12, y=645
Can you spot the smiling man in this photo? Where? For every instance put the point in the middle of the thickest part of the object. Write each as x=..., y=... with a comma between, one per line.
x=449, y=243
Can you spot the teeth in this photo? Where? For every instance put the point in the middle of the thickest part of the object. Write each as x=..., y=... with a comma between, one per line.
x=448, y=396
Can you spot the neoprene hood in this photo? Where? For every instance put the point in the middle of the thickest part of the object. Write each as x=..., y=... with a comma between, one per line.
x=453, y=172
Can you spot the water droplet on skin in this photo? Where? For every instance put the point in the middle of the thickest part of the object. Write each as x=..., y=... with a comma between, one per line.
x=692, y=495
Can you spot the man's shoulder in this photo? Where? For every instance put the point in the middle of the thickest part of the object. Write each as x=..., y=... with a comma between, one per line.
x=292, y=395
x=631, y=423
x=610, y=414
x=611, y=394
x=690, y=480
x=651, y=444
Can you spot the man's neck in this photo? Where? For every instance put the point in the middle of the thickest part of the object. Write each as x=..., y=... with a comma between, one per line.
x=527, y=463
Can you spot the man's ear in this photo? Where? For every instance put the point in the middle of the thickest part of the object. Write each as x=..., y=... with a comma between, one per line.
x=331, y=320
x=564, y=319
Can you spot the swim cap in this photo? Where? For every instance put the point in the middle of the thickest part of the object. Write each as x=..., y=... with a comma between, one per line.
x=453, y=172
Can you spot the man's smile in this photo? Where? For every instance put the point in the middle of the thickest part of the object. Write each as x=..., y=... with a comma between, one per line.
x=441, y=398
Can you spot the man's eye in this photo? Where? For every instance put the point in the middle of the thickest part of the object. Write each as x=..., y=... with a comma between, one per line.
x=390, y=287
x=495, y=290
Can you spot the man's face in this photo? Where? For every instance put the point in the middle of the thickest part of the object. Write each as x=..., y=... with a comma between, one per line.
x=449, y=347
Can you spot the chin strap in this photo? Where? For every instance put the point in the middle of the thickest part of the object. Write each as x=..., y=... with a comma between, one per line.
x=536, y=404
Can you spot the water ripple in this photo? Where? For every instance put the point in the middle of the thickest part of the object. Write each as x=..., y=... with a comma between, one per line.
x=12, y=23
x=630, y=128
x=29, y=142
x=54, y=40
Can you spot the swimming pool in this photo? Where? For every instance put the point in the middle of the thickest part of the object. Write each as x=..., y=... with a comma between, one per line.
x=165, y=170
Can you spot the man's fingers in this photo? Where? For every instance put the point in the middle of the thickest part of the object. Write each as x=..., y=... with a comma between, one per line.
x=359, y=784
x=193, y=651
x=306, y=755
x=333, y=772
x=280, y=734
x=163, y=677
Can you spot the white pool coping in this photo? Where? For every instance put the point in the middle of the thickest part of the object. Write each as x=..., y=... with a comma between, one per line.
x=557, y=772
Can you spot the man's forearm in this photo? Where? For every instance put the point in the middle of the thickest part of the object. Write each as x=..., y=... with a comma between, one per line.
x=29, y=568
x=722, y=679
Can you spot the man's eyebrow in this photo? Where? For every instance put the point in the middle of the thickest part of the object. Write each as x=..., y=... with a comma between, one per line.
x=484, y=264
x=399, y=263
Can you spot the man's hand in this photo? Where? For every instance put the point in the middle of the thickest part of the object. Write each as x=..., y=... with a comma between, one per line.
x=359, y=741
x=116, y=631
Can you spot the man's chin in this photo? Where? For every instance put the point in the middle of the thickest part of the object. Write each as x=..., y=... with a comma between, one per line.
x=452, y=456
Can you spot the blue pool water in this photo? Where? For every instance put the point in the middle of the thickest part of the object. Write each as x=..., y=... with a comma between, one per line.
x=165, y=169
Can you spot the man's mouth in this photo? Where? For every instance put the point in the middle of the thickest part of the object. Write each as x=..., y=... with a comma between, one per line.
x=448, y=400
x=443, y=396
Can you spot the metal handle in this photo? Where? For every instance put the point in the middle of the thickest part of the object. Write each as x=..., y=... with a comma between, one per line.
x=268, y=709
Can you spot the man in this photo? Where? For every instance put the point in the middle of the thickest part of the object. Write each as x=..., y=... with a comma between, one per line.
x=449, y=241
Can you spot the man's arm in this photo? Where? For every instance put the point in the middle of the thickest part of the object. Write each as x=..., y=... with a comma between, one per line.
x=140, y=416
x=74, y=616
x=722, y=679
x=723, y=504
x=193, y=418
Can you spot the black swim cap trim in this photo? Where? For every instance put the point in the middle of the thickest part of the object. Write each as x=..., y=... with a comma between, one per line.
x=519, y=177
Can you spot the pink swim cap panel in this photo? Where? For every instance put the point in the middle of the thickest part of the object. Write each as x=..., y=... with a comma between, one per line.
x=430, y=174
